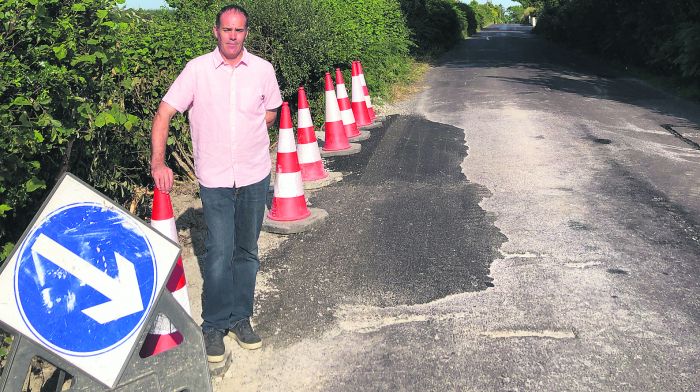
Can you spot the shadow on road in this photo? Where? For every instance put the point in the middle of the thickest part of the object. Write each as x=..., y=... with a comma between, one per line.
x=556, y=68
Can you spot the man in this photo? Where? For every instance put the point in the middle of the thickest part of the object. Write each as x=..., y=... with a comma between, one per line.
x=232, y=97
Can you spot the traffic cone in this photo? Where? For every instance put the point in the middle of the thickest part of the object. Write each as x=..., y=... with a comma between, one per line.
x=365, y=90
x=288, y=203
x=307, y=147
x=359, y=103
x=349, y=124
x=335, y=138
x=163, y=335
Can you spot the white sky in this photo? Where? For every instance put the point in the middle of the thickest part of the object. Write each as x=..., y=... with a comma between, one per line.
x=148, y=4
x=505, y=3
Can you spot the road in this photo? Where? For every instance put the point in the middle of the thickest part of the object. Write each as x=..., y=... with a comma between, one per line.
x=529, y=221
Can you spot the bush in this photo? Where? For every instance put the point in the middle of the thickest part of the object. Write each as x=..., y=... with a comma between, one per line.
x=435, y=25
x=60, y=106
x=487, y=14
x=660, y=35
x=470, y=16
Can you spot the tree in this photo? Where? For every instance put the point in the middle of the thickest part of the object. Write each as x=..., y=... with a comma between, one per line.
x=515, y=14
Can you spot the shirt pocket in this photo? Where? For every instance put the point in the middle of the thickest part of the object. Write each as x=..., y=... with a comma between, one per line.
x=250, y=100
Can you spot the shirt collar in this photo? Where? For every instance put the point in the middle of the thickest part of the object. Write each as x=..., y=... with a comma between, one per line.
x=219, y=59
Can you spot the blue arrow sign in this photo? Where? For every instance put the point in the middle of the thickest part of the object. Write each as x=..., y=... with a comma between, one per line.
x=85, y=279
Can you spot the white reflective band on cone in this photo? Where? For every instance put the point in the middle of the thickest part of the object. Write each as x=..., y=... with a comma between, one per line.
x=286, y=142
x=308, y=153
x=332, y=109
x=304, y=118
x=348, y=117
x=162, y=326
x=289, y=185
x=166, y=227
x=183, y=299
x=358, y=95
x=341, y=91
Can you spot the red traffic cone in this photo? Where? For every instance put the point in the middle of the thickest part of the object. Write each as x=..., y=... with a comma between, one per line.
x=163, y=335
x=359, y=103
x=335, y=139
x=307, y=149
x=365, y=91
x=349, y=124
x=288, y=203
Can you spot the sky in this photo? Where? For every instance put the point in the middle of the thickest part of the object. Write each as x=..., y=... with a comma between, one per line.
x=152, y=4
x=504, y=3
x=148, y=4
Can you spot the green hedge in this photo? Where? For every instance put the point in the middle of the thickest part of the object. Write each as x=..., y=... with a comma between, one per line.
x=660, y=35
x=435, y=25
x=61, y=106
x=487, y=14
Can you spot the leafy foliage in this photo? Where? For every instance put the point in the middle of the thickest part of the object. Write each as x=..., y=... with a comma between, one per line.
x=60, y=107
x=516, y=14
x=660, y=35
x=5, y=342
x=435, y=25
x=487, y=14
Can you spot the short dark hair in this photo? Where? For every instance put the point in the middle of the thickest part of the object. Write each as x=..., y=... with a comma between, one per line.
x=231, y=7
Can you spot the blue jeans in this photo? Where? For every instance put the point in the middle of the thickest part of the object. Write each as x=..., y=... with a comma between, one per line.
x=233, y=217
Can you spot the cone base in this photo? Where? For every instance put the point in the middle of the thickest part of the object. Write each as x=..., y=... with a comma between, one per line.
x=336, y=149
x=362, y=136
x=156, y=344
x=352, y=130
x=332, y=178
x=292, y=227
x=288, y=209
x=313, y=171
x=354, y=149
x=371, y=126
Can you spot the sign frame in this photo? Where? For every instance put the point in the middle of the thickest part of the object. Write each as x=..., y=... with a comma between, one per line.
x=165, y=252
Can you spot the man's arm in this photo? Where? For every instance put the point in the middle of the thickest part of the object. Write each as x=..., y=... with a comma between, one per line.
x=161, y=173
x=270, y=117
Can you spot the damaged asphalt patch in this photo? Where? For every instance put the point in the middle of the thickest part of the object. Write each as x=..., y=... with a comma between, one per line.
x=404, y=228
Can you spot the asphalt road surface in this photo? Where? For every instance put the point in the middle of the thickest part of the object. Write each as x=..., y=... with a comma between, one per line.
x=530, y=221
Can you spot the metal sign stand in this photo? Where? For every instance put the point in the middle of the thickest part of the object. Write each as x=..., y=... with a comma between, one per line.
x=181, y=369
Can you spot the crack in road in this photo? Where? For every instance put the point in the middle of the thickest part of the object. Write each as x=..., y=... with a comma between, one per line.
x=677, y=134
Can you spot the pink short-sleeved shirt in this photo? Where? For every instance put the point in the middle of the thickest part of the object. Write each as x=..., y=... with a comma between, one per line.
x=227, y=108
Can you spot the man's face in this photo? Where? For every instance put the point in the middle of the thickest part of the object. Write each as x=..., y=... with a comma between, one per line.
x=231, y=34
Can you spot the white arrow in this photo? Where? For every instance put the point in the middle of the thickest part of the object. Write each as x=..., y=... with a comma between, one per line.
x=123, y=291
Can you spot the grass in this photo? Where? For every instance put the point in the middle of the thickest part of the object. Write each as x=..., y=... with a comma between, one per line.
x=411, y=84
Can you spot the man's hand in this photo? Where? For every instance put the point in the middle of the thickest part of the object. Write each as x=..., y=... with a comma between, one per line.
x=162, y=176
